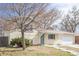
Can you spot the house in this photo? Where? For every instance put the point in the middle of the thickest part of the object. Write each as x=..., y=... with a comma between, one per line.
x=41, y=37
x=49, y=37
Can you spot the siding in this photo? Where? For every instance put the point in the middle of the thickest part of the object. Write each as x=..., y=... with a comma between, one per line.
x=16, y=34
x=36, y=40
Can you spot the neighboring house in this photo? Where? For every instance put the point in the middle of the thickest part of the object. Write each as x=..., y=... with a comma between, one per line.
x=77, y=38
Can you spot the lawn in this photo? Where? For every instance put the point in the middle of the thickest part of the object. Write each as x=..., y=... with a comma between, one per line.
x=33, y=51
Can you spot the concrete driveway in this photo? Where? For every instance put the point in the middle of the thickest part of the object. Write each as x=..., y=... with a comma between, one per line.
x=74, y=49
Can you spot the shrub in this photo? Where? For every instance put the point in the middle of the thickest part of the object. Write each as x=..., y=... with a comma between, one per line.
x=18, y=42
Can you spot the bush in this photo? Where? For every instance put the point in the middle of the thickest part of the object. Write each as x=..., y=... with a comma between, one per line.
x=18, y=42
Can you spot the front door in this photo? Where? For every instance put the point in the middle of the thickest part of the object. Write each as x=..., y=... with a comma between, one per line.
x=42, y=39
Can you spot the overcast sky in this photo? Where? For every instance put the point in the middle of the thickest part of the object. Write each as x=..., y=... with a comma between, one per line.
x=64, y=7
x=61, y=6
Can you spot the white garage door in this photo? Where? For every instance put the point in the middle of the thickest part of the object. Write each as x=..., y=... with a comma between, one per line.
x=66, y=39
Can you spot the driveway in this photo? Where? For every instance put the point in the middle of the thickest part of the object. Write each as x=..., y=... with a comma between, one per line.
x=74, y=49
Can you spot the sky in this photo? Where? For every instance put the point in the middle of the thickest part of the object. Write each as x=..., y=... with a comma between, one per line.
x=61, y=6
x=64, y=7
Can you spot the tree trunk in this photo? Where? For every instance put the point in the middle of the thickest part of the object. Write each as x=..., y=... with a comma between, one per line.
x=23, y=40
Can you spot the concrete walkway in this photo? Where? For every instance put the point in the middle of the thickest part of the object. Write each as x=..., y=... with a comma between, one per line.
x=64, y=49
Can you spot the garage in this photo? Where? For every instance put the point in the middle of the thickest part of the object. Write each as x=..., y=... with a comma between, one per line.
x=76, y=39
x=67, y=39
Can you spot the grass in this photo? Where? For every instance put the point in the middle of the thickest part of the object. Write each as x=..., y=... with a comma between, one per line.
x=33, y=51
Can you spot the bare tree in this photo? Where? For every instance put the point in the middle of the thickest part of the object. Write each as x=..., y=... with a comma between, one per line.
x=71, y=20
x=47, y=19
x=23, y=15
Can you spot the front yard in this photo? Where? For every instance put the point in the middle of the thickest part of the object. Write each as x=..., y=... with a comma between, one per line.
x=33, y=51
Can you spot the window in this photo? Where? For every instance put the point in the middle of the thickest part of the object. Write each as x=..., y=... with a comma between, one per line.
x=51, y=36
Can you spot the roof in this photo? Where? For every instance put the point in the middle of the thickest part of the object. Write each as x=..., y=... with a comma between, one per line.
x=55, y=32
